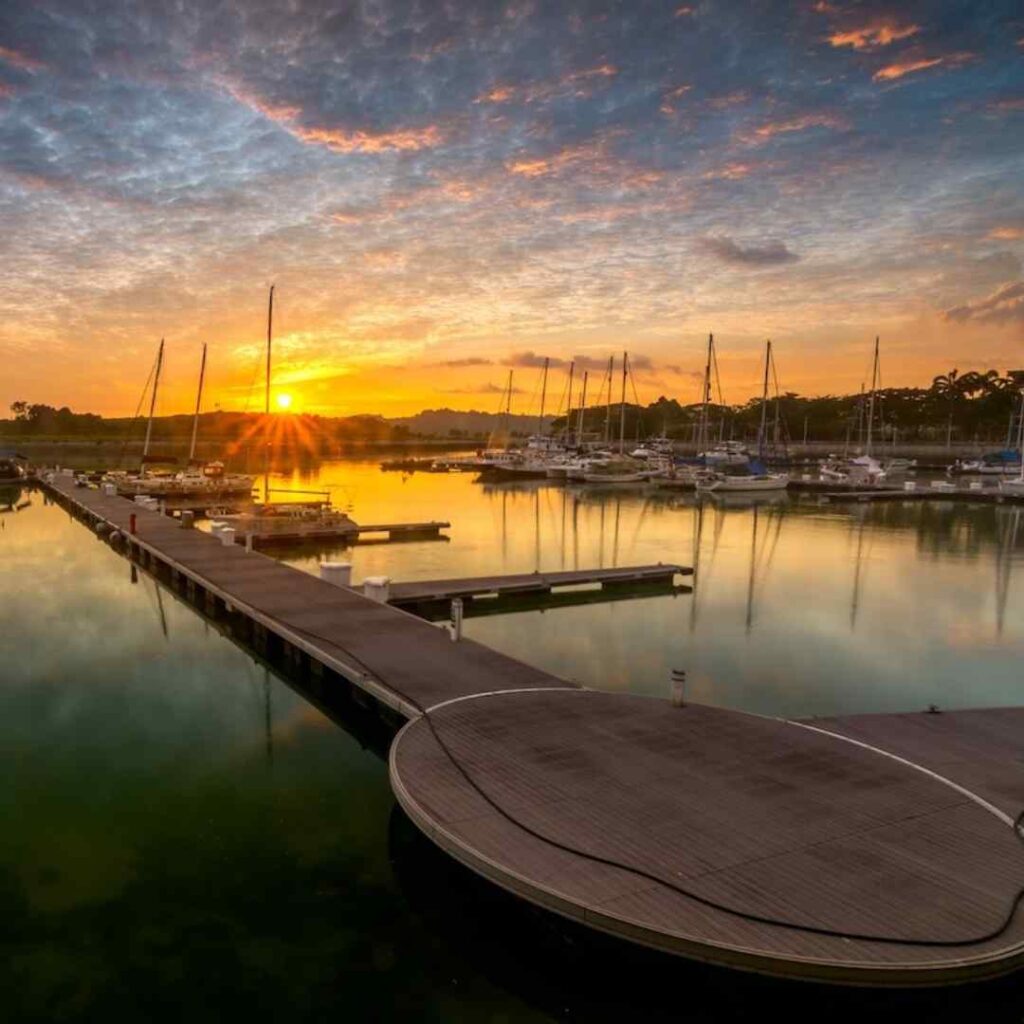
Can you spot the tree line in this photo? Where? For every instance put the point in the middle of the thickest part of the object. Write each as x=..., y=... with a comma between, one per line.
x=974, y=406
x=981, y=406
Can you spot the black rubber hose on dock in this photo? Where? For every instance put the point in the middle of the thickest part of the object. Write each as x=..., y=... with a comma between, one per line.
x=596, y=858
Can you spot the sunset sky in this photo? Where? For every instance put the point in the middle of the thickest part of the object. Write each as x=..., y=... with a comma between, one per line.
x=445, y=189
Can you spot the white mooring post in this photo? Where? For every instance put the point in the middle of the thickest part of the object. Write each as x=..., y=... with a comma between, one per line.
x=227, y=536
x=377, y=588
x=456, y=624
x=338, y=573
x=248, y=541
x=678, y=686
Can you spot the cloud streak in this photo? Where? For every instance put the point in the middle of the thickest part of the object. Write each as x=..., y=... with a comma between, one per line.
x=1004, y=305
x=767, y=254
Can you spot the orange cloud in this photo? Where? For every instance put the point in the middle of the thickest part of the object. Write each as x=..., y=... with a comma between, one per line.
x=499, y=94
x=1007, y=233
x=874, y=34
x=683, y=12
x=891, y=72
x=1011, y=104
x=531, y=168
x=731, y=172
x=539, y=91
x=337, y=139
x=20, y=60
x=766, y=131
x=340, y=141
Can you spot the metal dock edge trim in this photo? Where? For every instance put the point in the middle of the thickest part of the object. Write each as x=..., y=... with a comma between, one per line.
x=365, y=682
x=955, y=971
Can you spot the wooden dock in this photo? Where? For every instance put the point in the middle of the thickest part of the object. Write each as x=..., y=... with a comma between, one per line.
x=867, y=850
x=531, y=583
x=831, y=490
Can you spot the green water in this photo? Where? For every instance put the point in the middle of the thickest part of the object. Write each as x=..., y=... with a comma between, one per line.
x=185, y=836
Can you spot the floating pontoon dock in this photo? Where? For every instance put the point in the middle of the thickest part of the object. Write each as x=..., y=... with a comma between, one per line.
x=867, y=850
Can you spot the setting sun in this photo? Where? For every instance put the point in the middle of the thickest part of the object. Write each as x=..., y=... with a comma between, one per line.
x=284, y=402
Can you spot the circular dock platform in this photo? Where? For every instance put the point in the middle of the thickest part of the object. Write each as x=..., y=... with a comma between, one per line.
x=729, y=838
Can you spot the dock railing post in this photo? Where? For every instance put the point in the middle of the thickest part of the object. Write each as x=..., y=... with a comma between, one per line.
x=248, y=541
x=455, y=629
x=188, y=519
x=131, y=523
x=678, y=686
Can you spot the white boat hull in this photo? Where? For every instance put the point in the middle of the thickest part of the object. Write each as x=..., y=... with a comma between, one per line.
x=740, y=484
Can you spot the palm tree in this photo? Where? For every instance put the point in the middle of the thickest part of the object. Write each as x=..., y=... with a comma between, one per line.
x=948, y=386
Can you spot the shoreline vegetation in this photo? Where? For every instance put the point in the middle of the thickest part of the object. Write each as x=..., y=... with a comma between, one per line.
x=956, y=410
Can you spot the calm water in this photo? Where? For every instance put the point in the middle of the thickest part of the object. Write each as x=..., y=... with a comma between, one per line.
x=186, y=837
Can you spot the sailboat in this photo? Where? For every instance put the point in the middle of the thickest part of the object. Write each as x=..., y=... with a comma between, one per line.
x=864, y=468
x=208, y=481
x=1015, y=485
x=753, y=477
x=624, y=469
x=285, y=520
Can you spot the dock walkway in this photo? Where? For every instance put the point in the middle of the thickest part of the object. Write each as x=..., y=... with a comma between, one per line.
x=869, y=850
x=530, y=582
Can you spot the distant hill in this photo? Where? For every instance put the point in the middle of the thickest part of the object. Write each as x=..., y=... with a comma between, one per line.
x=473, y=424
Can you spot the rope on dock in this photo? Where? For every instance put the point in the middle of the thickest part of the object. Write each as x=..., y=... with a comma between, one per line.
x=426, y=715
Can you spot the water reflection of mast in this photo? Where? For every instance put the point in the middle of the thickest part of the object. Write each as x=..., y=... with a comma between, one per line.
x=615, y=541
x=1004, y=564
x=536, y=530
x=504, y=527
x=565, y=501
x=768, y=552
x=268, y=716
x=698, y=534
x=857, y=575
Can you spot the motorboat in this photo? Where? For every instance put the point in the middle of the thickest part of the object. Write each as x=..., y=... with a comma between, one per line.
x=11, y=467
x=741, y=482
x=617, y=471
x=1001, y=463
x=728, y=453
x=288, y=521
x=858, y=470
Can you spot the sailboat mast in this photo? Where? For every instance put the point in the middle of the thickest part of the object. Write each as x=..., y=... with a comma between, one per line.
x=152, y=401
x=270, y=331
x=568, y=405
x=608, y=410
x=543, y=396
x=508, y=412
x=764, y=402
x=622, y=404
x=583, y=406
x=266, y=406
x=199, y=399
x=776, y=429
x=871, y=400
x=1020, y=436
x=702, y=438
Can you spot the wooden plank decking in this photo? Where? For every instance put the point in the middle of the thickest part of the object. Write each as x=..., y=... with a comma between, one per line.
x=755, y=814
x=399, y=659
x=773, y=846
x=531, y=582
